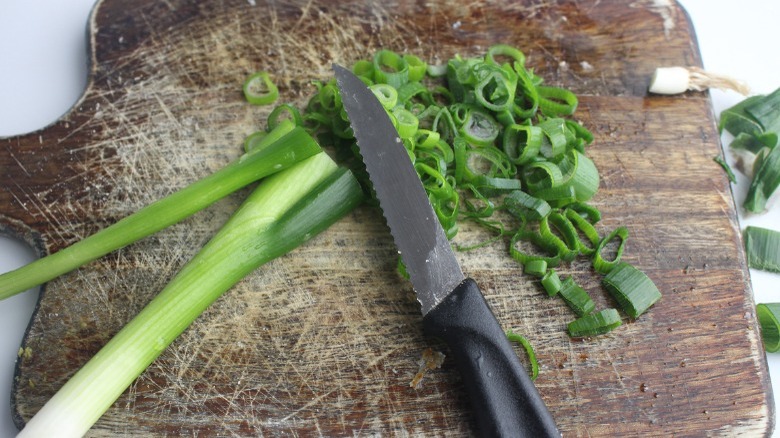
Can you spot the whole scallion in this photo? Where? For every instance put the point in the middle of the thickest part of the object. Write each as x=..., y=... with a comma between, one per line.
x=265, y=159
x=286, y=210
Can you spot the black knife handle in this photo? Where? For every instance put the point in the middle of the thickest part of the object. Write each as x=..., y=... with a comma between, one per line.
x=505, y=401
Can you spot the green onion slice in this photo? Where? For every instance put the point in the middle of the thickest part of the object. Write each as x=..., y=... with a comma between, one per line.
x=726, y=168
x=529, y=350
x=551, y=282
x=634, y=291
x=595, y=324
x=770, y=326
x=602, y=265
x=537, y=268
x=524, y=206
x=762, y=246
x=576, y=297
x=555, y=102
x=390, y=68
x=260, y=90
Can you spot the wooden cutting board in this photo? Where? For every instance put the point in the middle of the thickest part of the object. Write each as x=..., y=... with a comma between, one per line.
x=325, y=340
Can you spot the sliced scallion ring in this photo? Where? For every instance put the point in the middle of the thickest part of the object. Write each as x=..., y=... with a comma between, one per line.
x=602, y=265
x=576, y=297
x=634, y=291
x=594, y=324
x=260, y=90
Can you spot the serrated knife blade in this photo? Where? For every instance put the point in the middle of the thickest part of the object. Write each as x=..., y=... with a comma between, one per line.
x=504, y=399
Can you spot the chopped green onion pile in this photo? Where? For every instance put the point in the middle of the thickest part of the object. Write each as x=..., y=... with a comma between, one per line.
x=755, y=125
x=491, y=144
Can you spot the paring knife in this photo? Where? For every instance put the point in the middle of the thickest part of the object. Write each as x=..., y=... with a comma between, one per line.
x=504, y=399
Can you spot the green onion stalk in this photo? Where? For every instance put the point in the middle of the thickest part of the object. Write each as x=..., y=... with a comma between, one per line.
x=282, y=148
x=284, y=211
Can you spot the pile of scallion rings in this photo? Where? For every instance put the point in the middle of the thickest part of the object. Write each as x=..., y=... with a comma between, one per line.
x=491, y=142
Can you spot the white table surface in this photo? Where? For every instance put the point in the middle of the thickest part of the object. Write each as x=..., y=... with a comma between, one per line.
x=43, y=72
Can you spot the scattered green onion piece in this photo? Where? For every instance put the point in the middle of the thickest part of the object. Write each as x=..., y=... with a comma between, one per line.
x=555, y=132
x=524, y=257
x=526, y=102
x=595, y=324
x=587, y=229
x=580, y=131
x=634, y=291
x=551, y=283
x=291, y=148
x=555, y=102
x=766, y=179
x=559, y=196
x=492, y=186
x=537, y=268
x=529, y=350
x=504, y=50
x=260, y=90
x=576, y=297
x=523, y=205
x=390, y=68
x=363, y=68
x=411, y=90
x=752, y=143
x=770, y=325
x=726, y=168
x=540, y=175
x=479, y=128
x=276, y=116
x=736, y=120
x=567, y=246
x=329, y=97
x=586, y=177
x=417, y=67
x=588, y=212
x=406, y=122
x=602, y=265
x=522, y=143
x=766, y=111
x=386, y=94
x=496, y=87
x=762, y=246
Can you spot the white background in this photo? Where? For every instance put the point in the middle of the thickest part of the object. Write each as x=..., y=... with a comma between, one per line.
x=43, y=72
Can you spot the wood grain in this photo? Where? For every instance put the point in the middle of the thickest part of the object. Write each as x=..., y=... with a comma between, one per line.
x=325, y=340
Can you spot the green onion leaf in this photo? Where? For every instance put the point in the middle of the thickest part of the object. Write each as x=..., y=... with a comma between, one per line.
x=762, y=246
x=766, y=180
x=634, y=291
x=770, y=326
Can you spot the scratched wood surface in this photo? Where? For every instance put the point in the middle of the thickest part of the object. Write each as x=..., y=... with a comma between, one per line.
x=325, y=340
